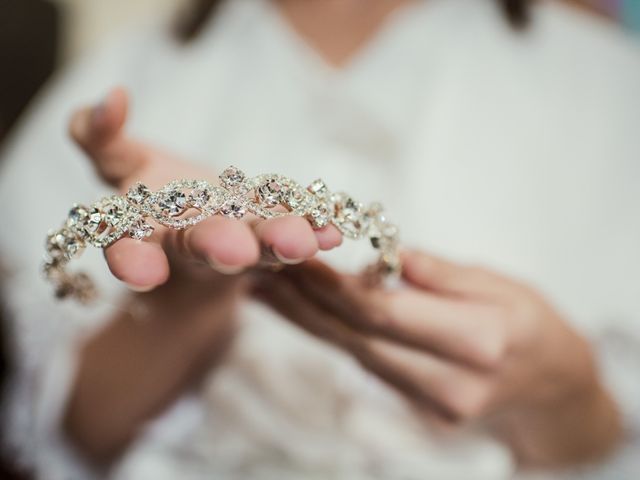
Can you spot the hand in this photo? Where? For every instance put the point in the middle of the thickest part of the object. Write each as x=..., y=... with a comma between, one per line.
x=463, y=343
x=227, y=245
x=132, y=369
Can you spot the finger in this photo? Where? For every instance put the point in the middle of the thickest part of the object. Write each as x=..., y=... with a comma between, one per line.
x=453, y=392
x=291, y=239
x=286, y=300
x=141, y=265
x=99, y=131
x=473, y=334
x=437, y=274
x=449, y=391
x=341, y=295
x=328, y=237
x=228, y=245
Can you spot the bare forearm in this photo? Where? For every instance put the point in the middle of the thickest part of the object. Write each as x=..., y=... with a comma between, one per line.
x=140, y=364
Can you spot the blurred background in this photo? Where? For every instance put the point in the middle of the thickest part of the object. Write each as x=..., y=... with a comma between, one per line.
x=37, y=36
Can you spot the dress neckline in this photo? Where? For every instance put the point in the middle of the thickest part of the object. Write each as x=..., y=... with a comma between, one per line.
x=403, y=21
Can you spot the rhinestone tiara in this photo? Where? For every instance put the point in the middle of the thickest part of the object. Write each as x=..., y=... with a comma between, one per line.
x=181, y=204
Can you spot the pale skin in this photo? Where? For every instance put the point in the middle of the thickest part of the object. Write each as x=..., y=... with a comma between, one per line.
x=460, y=343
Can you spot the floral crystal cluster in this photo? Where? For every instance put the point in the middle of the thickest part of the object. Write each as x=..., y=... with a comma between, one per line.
x=184, y=203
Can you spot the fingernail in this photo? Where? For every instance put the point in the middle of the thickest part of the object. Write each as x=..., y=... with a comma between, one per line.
x=285, y=260
x=224, y=269
x=140, y=288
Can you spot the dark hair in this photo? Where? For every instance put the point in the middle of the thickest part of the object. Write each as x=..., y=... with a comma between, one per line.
x=192, y=23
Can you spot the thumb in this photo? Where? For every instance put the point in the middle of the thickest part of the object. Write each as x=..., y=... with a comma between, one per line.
x=99, y=131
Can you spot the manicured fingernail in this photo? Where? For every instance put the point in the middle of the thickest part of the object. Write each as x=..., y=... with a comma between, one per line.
x=224, y=269
x=285, y=260
x=140, y=288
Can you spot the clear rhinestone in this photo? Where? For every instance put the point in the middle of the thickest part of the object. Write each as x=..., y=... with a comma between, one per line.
x=382, y=234
x=270, y=192
x=379, y=240
x=348, y=215
x=233, y=208
x=232, y=177
x=63, y=243
x=389, y=230
x=138, y=193
x=77, y=217
x=173, y=203
x=53, y=249
x=295, y=198
x=95, y=222
x=199, y=197
x=140, y=230
x=72, y=246
x=319, y=216
x=318, y=187
x=349, y=229
x=113, y=214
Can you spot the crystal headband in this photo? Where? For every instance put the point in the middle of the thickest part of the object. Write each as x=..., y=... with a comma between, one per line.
x=184, y=203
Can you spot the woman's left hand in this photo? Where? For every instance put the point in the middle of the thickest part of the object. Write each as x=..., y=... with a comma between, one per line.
x=466, y=344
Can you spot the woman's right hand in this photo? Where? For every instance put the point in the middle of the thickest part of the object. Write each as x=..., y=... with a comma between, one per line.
x=132, y=369
x=226, y=245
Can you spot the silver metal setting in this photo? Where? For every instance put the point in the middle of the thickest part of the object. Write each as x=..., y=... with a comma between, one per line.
x=184, y=203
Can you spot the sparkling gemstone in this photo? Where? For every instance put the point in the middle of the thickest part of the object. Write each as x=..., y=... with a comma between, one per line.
x=77, y=217
x=389, y=230
x=380, y=240
x=348, y=215
x=233, y=208
x=270, y=192
x=95, y=222
x=173, y=202
x=140, y=230
x=294, y=198
x=320, y=216
x=352, y=207
x=53, y=249
x=63, y=243
x=138, y=193
x=113, y=214
x=199, y=197
x=69, y=243
x=382, y=234
x=72, y=247
x=317, y=187
x=232, y=177
x=372, y=228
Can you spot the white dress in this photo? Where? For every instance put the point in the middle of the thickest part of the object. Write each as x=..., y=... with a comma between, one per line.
x=521, y=152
